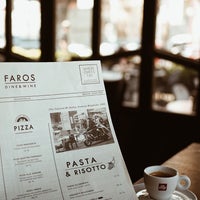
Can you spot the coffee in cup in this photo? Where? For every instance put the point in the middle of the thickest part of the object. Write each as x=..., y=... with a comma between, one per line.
x=160, y=174
x=161, y=181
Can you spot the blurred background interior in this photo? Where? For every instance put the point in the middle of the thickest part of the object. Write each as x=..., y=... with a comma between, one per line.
x=150, y=55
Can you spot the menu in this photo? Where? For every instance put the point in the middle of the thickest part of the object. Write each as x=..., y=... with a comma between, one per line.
x=57, y=137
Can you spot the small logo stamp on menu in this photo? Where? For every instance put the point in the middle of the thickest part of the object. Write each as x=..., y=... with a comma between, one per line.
x=162, y=187
x=89, y=74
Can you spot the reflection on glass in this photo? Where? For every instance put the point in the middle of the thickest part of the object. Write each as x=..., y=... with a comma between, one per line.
x=73, y=29
x=175, y=87
x=121, y=22
x=26, y=23
x=179, y=31
x=129, y=69
x=2, y=23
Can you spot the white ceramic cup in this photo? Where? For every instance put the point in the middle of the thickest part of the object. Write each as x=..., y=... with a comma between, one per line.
x=161, y=181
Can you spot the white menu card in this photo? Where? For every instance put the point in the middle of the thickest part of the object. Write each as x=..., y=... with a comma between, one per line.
x=57, y=137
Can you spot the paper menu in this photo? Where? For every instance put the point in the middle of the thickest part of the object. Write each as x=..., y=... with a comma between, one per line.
x=57, y=137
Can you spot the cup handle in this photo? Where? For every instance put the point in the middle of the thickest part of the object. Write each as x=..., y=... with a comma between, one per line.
x=184, y=182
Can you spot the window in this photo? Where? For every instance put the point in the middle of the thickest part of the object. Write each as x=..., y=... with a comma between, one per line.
x=175, y=87
x=176, y=78
x=121, y=23
x=73, y=29
x=179, y=32
x=157, y=54
x=2, y=23
x=26, y=28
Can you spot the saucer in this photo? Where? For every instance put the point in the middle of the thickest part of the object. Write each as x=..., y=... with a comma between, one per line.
x=142, y=194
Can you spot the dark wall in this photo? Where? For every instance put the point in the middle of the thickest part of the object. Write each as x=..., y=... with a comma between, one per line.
x=148, y=138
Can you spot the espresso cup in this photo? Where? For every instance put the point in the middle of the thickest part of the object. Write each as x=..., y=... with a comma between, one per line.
x=161, y=181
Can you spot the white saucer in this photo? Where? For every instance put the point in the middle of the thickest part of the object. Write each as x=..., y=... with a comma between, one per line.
x=142, y=194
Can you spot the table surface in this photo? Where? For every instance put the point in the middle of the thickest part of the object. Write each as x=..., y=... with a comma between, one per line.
x=187, y=161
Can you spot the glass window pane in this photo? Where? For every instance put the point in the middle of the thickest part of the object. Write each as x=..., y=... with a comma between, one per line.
x=2, y=23
x=73, y=29
x=179, y=31
x=26, y=23
x=175, y=87
x=121, y=25
x=129, y=68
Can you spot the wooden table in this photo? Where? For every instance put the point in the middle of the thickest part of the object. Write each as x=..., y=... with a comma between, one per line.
x=187, y=161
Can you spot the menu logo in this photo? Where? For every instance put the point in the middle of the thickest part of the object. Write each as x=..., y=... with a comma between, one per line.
x=19, y=81
x=89, y=74
x=22, y=124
